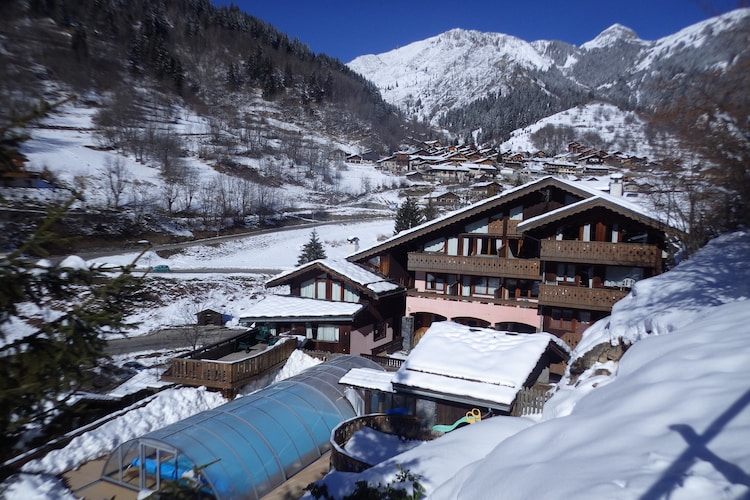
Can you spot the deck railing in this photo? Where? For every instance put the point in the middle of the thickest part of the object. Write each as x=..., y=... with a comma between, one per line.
x=390, y=364
x=530, y=401
x=577, y=297
x=228, y=375
x=530, y=303
x=601, y=252
x=474, y=265
x=404, y=426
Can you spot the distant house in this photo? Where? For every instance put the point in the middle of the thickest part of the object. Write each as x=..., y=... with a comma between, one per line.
x=486, y=189
x=455, y=368
x=354, y=159
x=211, y=317
x=336, y=305
x=447, y=199
x=337, y=155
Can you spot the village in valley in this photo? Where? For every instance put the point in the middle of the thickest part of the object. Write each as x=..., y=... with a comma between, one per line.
x=467, y=174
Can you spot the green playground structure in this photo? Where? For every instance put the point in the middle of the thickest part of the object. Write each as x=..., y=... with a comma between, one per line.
x=471, y=417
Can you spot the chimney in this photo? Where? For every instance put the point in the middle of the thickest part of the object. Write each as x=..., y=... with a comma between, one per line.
x=615, y=184
x=407, y=332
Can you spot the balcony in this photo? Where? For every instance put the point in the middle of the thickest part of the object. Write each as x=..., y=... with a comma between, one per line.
x=602, y=252
x=527, y=303
x=576, y=297
x=490, y=266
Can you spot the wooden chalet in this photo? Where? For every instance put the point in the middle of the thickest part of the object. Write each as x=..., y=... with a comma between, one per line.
x=486, y=189
x=210, y=317
x=338, y=155
x=446, y=199
x=550, y=255
x=336, y=305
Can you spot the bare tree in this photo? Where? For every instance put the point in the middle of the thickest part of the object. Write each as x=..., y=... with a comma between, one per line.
x=189, y=187
x=713, y=125
x=116, y=179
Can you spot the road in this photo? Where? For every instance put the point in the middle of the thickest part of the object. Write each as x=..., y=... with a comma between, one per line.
x=174, y=338
x=106, y=252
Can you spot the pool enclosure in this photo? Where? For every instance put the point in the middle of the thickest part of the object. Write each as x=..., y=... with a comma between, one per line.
x=249, y=446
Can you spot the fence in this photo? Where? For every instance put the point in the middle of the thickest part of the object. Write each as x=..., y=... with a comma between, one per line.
x=530, y=401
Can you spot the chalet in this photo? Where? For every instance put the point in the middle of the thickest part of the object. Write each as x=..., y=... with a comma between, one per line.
x=485, y=189
x=455, y=368
x=370, y=156
x=355, y=158
x=449, y=173
x=550, y=255
x=337, y=155
x=561, y=168
x=336, y=305
x=446, y=199
x=211, y=317
x=480, y=170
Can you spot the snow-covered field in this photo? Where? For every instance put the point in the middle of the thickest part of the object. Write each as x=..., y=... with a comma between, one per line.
x=670, y=422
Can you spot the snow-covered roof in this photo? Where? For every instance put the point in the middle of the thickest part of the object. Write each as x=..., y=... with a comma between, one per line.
x=355, y=273
x=463, y=363
x=299, y=308
x=616, y=203
x=367, y=378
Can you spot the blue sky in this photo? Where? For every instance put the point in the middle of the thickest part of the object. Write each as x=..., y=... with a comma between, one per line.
x=349, y=28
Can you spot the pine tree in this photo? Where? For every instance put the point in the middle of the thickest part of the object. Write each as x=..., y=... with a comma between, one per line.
x=52, y=321
x=408, y=215
x=312, y=250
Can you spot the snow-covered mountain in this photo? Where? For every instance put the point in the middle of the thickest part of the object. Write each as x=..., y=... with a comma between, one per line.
x=464, y=80
x=448, y=71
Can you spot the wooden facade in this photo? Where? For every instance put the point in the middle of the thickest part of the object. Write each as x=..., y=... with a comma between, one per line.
x=372, y=329
x=549, y=245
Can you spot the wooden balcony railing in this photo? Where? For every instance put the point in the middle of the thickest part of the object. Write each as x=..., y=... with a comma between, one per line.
x=576, y=297
x=530, y=303
x=390, y=364
x=601, y=252
x=480, y=266
x=227, y=375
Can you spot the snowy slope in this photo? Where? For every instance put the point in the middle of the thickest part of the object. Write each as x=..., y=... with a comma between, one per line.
x=617, y=129
x=671, y=422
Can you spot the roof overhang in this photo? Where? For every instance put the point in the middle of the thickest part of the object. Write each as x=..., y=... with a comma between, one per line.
x=472, y=211
x=319, y=266
x=453, y=398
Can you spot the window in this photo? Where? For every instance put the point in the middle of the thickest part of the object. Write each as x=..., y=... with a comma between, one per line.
x=325, y=333
x=336, y=291
x=350, y=294
x=435, y=282
x=486, y=286
x=381, y=331
x=307, y=289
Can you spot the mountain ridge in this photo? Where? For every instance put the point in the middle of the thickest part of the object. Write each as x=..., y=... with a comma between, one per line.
x=466, y=67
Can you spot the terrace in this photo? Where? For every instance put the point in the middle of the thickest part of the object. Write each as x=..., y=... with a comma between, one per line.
x=232, y=363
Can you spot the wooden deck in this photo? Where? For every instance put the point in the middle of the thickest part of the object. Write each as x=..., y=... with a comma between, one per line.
x=228, y=365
